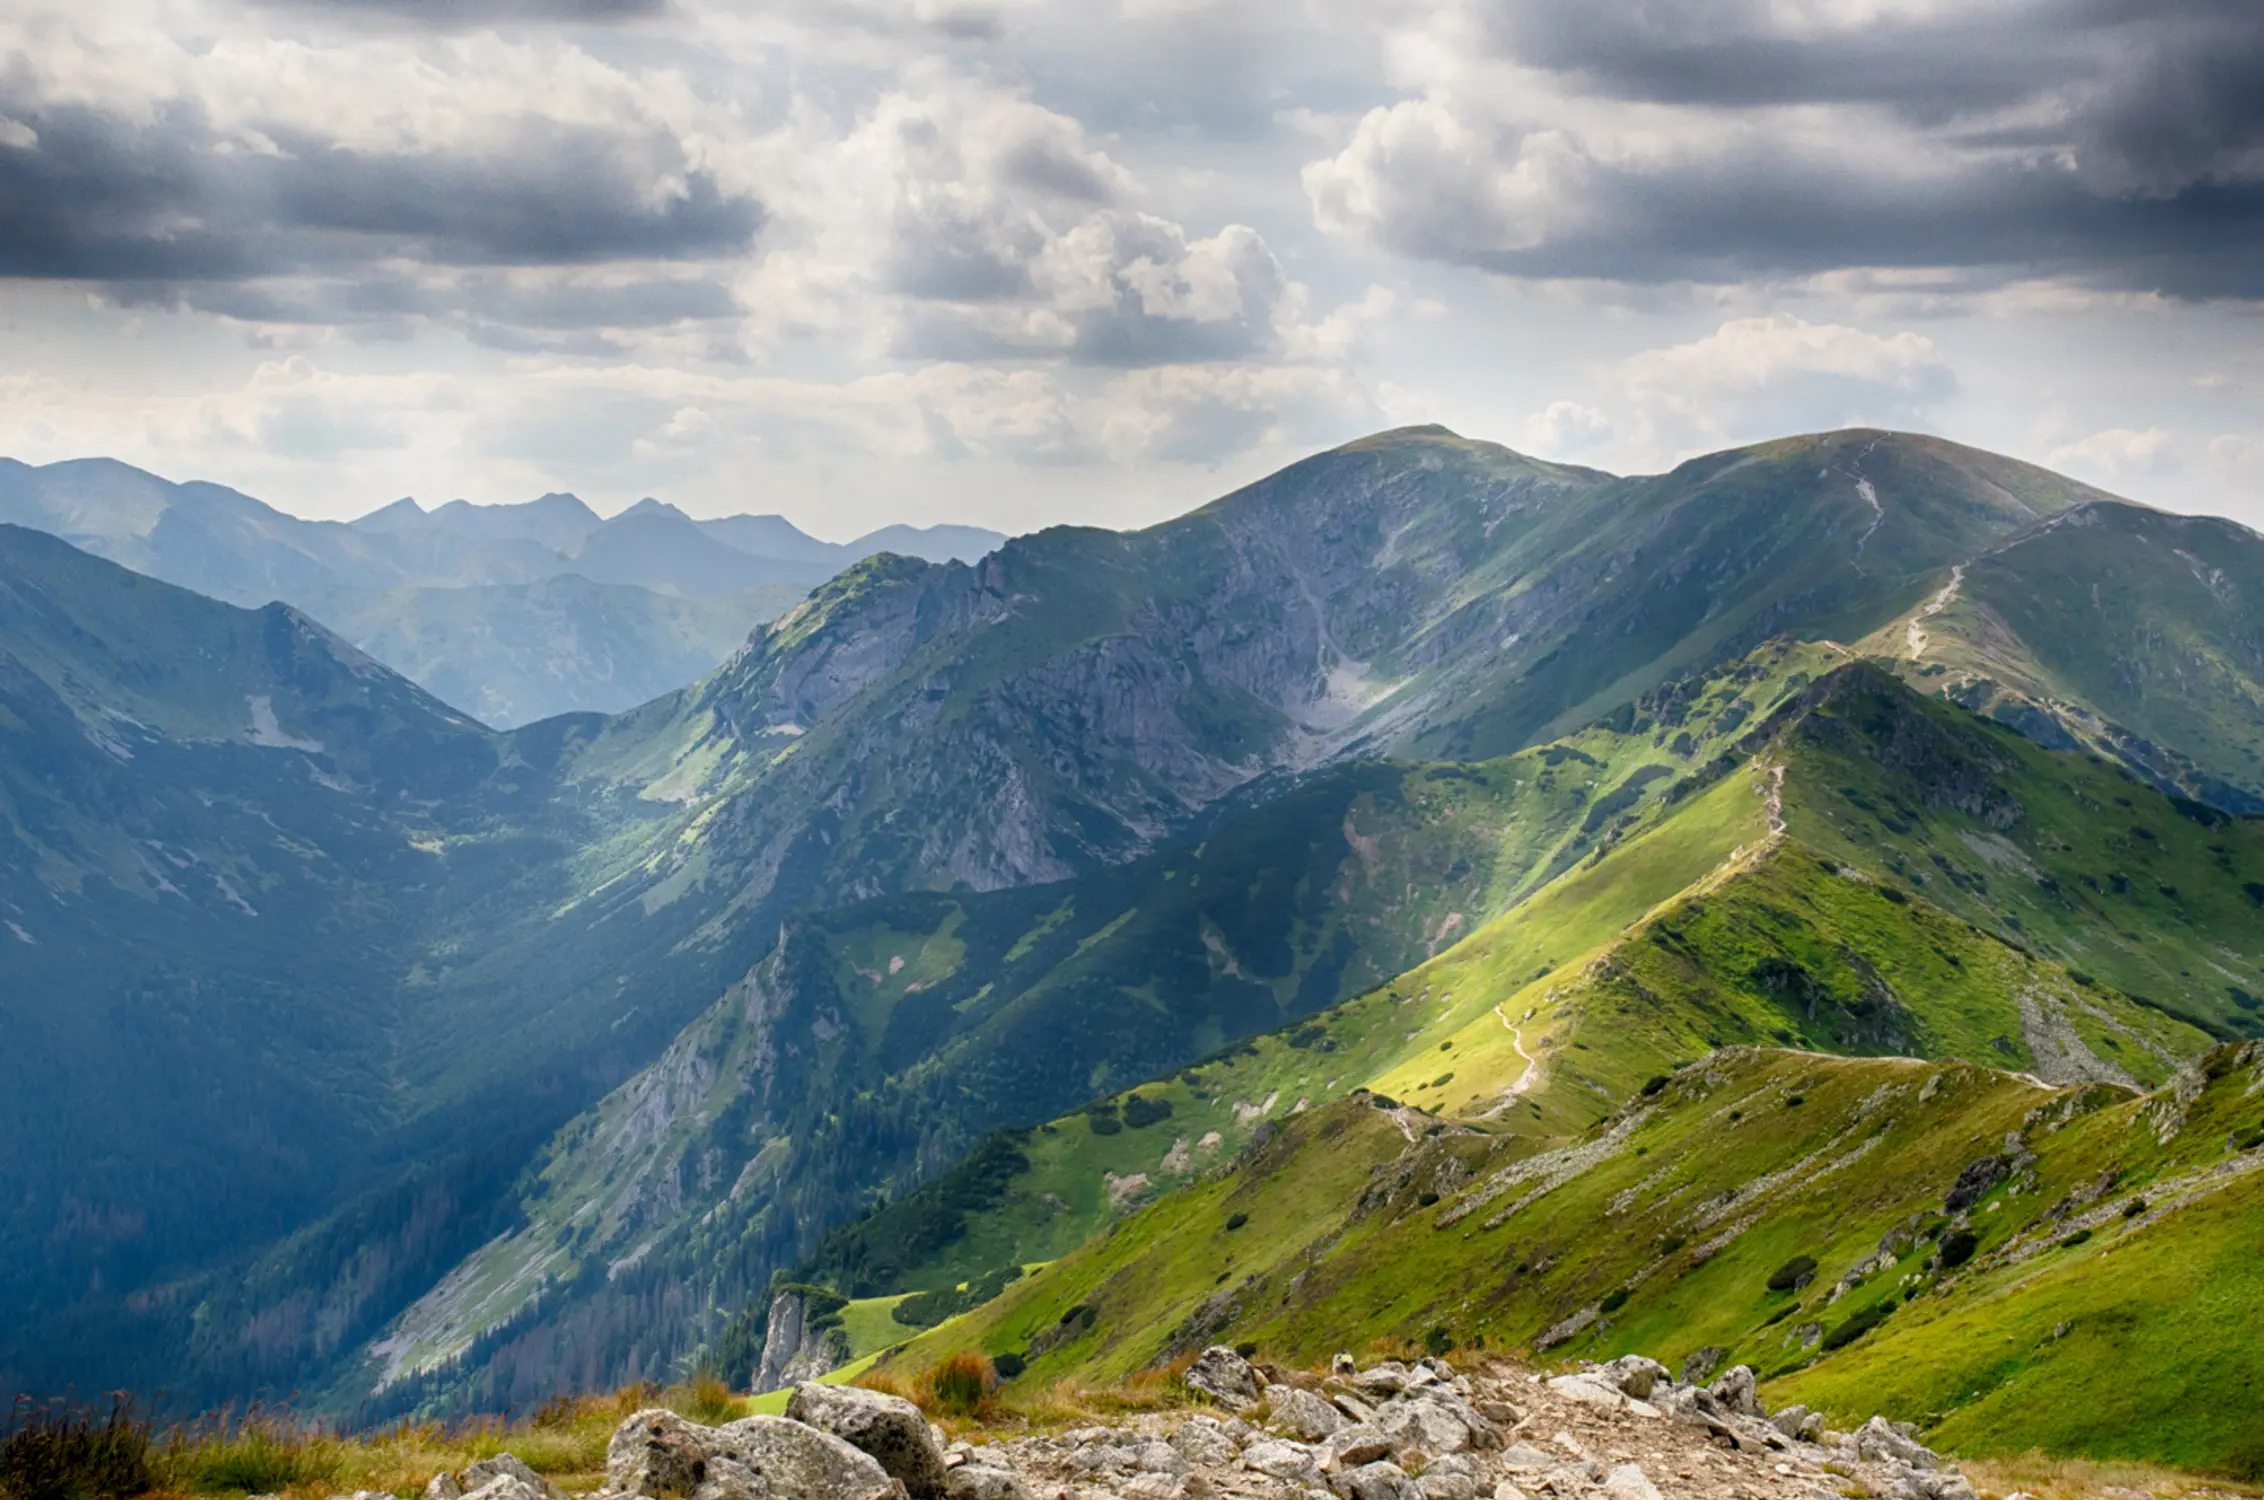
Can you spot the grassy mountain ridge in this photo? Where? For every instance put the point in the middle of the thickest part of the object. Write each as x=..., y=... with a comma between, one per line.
x=1506, y=1086
x=1865, y=1232
x=2126, y=629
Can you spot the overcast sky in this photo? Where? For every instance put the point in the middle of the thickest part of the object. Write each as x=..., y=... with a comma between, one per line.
x=1016, y=262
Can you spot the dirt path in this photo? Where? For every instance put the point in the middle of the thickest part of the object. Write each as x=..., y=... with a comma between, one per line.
x=1915, y=636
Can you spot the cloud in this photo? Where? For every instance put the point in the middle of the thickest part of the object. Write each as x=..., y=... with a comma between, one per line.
x=1726, y=140
x=342, y=183
x=959, y=221
x=2120, y=454
x=1563, y=428
x=1763, y=377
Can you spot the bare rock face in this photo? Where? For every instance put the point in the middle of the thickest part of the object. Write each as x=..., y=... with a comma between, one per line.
x=889, y=1428
x=1226, y=1377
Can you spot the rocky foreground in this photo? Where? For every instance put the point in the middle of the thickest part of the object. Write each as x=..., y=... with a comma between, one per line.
x=1426, y=1431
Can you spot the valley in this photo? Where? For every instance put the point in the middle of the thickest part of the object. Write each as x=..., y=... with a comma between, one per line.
x=1400, y=896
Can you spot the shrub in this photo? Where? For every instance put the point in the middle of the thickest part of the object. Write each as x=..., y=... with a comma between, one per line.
x=1140, y=1113
x=1794, y=1101
x=61, y=1453
x=1425, y=1200
x=706, y=1400
x=1858, y=1325
x=1438, y=1341
x=1613, y=1301
x=262, y=1454
x=1009, y=1365
x=2075, y=1239
x=959, y=1384
x=1958, y=1247
x=1782, y=1313
x=1246, y=1350
x=2134, y=1208
x=1671, y=1243
x=1654, y=1083
x=1792, y=1274
x=1236, y=1221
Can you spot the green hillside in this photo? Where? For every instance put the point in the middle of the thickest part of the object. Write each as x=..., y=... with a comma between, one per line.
x=1514, y=1075
x=2135, y=633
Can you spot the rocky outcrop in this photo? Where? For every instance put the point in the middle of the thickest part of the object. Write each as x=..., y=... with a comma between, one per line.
x=795, y=1347
x=889, y=1428
x=657, y=1455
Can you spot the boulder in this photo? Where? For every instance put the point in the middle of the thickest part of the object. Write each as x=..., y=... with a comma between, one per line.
x=1292, y=1463
x=1437, y=1485
x=1739, y=1391
x=1376, y=1481
x=1226, y=1377
x=1436, y=1424
x=1525, y=1458
x=1629, y=1482
x=1201, y=1440
x=1352, y=1406
x=889, y=1428
x=981, y=1482
x=1589, y=1387
x=442, y=1486
x=1361, y=1443
x=1301, y=1413
x=1386, y=1379
x=657, y=1454
x=1634, y=1374
x=508, y=1487
x=1156, y=1456
x=772, y=1458
x=1879, y=1440
x=1799, y=1422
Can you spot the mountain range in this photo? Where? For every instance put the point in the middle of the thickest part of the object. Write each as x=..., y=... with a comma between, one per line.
x=511, y=612
x=975, y=911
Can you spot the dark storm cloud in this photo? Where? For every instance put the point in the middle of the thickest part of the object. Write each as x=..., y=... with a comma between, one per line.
x=173, y=203
x=2119, y=142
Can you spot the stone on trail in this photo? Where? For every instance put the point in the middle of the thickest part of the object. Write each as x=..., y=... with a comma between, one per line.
x=1226, y=1377
x=1739, y=1391
x=1635, y=1374
x=1880, y=1439
x=1376, y=1481
x=1629, y=1482
x=1301, y=1413
x=1292, y=1463
x=1202, y=1440
x=1360, y=1443
x=889, y=1428
x=980, y=1482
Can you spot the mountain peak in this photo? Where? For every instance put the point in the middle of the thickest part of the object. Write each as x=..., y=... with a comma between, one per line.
x=402, y=514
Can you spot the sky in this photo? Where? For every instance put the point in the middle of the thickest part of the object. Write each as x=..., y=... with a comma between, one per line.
x=1016, y=262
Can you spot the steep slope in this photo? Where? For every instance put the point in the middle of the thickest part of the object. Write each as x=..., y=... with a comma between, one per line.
x=218, y=820
x=879, y=1041
x=2135, y=633
x=1092, y=693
